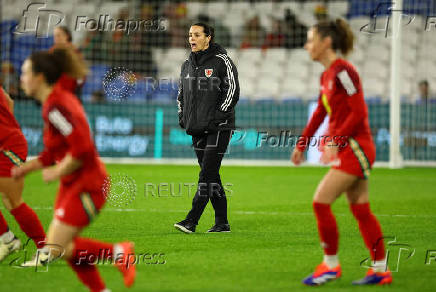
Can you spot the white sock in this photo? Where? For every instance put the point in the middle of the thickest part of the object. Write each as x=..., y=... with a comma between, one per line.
x=332, y=261
x=117, y=250
x=7, y=236
x=44, y=249
x=379, y=266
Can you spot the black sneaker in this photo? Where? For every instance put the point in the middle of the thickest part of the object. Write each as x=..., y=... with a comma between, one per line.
x=186, y=226
x=220, y=228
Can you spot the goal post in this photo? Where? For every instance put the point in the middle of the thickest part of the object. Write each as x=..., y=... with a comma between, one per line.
x=395, y=158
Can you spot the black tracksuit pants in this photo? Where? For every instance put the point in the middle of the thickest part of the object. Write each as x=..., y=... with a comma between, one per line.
x=210, y=150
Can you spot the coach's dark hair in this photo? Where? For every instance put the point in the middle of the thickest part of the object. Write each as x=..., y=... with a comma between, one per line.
x=67, y=31
x=52, y=64
x=340, y=32
x=207, y=29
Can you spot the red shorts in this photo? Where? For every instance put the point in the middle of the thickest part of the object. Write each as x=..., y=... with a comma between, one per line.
x=357, y=158
x=76, y=206
x=12, y=155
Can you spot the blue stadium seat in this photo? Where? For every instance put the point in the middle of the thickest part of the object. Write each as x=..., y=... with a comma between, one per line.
x=6, y=26
x=165, y=92
x=24, y=45
x=6, y=30
x=94, y=80
x=368, y=7
x=265, y=100
x=292, y=100
x=243, y=99
x=6, y=36
x=373, y=100
x=143, y=91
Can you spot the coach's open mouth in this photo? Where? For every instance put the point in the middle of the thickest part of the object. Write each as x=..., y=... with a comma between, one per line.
x=193, y=46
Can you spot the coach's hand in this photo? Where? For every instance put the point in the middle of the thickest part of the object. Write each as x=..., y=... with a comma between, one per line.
x=297, y=156
x=50, y=174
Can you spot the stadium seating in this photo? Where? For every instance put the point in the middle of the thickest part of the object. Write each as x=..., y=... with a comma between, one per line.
x=276, y=73
x=94, y=80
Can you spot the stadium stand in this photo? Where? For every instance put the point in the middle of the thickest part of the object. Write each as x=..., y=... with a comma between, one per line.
x=265, y=40
x=288, y=66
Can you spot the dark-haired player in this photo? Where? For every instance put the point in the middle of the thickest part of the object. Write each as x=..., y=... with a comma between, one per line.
x=70, y=156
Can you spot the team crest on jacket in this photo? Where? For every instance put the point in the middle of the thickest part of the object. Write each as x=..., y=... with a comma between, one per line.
x=208, y=72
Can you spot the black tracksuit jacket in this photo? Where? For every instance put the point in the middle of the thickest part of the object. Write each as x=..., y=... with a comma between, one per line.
x=208, y=92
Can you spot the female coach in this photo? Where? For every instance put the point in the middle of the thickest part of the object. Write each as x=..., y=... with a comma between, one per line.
x=208, y=93
x=341, y=98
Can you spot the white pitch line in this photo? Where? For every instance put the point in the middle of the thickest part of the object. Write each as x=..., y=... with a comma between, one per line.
x=242, y=212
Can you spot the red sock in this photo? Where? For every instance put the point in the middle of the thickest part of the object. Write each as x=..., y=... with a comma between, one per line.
x=29, y=223
x=88, y=275
x=3, y=224
x=91, y=251
x=327, y=228
x=370, y=230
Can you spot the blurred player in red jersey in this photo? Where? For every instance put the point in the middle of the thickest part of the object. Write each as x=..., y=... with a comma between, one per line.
x=348, y=146
x=64, y=39
x=70, y=156
x=13, y=151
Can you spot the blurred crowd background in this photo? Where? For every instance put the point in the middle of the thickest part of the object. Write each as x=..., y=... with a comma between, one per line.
x=264, y=38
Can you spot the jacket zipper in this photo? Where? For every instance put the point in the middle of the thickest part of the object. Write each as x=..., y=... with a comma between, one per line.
x=194, y=99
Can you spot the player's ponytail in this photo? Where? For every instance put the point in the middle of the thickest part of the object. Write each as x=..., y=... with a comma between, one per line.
x=346, y=36
x=56, y=62
x=70, y=62
x=340, y=32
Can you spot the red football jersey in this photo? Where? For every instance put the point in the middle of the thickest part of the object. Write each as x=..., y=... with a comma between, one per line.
x=341, y=98
x=9, y=126
x=66, y=130
x=68, y=83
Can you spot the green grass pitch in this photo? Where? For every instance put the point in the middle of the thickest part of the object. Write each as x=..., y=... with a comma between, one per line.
x=273, y=243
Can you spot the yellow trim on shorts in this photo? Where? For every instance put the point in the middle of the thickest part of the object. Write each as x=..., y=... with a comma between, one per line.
x=361, y=157
x=88, y=206
x=15, y=159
